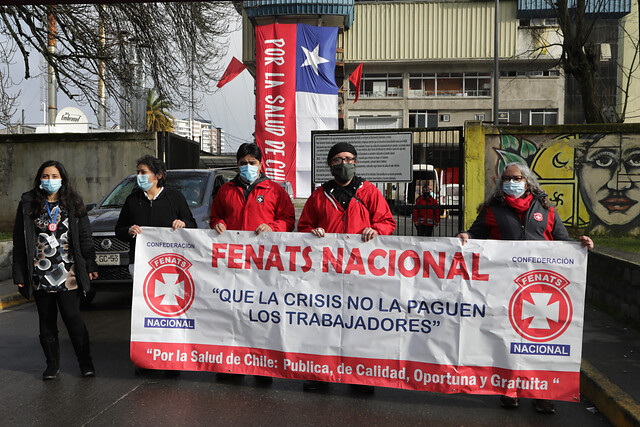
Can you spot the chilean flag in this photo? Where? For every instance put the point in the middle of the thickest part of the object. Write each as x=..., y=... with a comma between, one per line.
x=296, y=93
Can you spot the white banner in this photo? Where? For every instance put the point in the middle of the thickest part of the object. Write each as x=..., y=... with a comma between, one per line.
x=489, y=317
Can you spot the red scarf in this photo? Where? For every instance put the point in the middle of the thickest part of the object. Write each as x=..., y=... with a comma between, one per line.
x=520, y=205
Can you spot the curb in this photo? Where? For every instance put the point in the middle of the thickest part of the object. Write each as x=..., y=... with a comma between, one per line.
x=613, y=402
x=12, y=300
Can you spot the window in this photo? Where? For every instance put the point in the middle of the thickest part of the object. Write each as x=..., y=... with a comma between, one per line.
x=513, y=73
x=545, y=73
x=380, y=85
x=423, y=118
x=544, y=117
x=445, y=117
x=449, y=84
x=529, y=117
x=479, y=117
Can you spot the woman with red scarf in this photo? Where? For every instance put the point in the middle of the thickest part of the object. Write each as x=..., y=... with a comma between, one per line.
x=518, y=209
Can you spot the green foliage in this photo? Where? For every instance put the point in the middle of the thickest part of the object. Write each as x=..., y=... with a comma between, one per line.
x=513, y=149
x=622, y=243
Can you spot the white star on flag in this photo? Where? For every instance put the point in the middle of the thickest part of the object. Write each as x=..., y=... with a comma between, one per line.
x=313, y=58
x=541, y=311
x=170, y=289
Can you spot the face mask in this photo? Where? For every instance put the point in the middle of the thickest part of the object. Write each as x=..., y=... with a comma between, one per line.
x=514, y=189
x=51, y=186
x=143, y=182
x=344, y=172
x=249, y=172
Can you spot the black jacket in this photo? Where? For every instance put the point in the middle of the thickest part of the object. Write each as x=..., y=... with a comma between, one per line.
x=24, y=240
x=503, y=223
x=139, y=210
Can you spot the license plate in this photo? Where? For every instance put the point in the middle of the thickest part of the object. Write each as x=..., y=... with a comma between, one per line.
x=108, y=259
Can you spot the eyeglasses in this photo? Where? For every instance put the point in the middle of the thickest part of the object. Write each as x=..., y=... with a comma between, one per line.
x=338, y=160
x=514, y=178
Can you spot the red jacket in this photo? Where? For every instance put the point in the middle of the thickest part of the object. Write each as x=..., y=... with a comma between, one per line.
x=268, y=203
x=370, y=209
x=426, y=216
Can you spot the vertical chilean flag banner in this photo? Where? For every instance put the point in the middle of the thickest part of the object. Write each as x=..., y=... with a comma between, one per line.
x=296, y=93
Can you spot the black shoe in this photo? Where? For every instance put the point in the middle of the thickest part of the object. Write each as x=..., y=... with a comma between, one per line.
x=544, y=406
x=51, y=350
x=311, y=385
x=82, y=349
x=509, y=402
x=87, y=369
x=51, y=373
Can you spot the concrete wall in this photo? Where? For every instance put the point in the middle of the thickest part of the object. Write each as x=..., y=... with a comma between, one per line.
x=590, y=172
x=6, y=251
x=95, y=162
x=613, y=283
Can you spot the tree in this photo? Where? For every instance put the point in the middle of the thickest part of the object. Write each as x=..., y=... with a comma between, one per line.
x=581, y=55
x=175, y=47
x=158, y=118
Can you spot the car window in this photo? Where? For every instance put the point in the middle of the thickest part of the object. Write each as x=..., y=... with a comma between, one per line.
x=117, y=197
x=192, y=187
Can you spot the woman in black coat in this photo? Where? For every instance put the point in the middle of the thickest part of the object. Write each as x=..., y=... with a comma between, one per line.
x=151, y=204
x=54, y=260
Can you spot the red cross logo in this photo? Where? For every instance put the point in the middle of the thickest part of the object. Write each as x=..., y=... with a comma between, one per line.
x=168, y=288
x=540, y=310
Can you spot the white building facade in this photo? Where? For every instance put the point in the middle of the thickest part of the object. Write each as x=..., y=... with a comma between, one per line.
x=211, y=138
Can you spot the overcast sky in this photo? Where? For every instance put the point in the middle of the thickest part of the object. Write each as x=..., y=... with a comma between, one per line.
x=232, y=108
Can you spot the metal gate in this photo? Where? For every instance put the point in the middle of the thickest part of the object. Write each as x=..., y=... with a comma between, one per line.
x=438, y=165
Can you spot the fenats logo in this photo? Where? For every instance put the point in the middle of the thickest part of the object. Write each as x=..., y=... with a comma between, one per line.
x=540, y=310
x=168, y=288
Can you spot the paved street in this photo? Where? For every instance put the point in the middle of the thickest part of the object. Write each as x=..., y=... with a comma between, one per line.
x=118, y=397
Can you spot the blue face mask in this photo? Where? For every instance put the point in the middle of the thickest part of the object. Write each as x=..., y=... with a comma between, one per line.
x=249, y=172
x=143, y=182
x=51, y=186
x=513, y=189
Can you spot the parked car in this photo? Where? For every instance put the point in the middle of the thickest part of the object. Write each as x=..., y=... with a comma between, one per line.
x=199, y=187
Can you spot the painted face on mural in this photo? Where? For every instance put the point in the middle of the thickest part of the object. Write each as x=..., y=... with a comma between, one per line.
x=610, y=179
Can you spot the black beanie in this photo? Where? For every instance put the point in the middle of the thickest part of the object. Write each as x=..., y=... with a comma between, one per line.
x=341, y=147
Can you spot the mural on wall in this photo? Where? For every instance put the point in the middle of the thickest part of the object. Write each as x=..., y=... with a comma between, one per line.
x=593, y=179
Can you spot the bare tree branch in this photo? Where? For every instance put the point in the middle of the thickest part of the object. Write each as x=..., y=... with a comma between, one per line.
x=176, y=46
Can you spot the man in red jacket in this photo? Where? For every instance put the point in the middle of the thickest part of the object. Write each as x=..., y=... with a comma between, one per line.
x=346, y=204
x=424, y=218
x=251, y=201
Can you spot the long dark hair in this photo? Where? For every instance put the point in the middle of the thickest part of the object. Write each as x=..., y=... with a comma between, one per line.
x=68, y=198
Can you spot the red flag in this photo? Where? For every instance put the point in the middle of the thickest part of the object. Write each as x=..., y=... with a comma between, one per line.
x=355, y=78
x=234, y=68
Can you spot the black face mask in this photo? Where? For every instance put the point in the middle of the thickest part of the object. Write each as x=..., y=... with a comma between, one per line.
x=343, y=172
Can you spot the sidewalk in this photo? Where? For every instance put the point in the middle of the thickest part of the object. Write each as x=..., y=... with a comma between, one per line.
x=9, y=295
x=610, y=373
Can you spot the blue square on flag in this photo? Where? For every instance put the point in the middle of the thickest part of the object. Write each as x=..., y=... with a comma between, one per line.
x=316, y=59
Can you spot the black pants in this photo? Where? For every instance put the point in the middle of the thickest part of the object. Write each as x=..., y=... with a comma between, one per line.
x=425, y=230
x=68, y=302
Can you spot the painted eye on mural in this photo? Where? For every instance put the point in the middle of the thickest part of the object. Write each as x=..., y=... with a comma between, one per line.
x=633, y=161
x=605, y=159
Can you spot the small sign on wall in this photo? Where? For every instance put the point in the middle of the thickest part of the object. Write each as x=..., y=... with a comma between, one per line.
x=382, y=156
